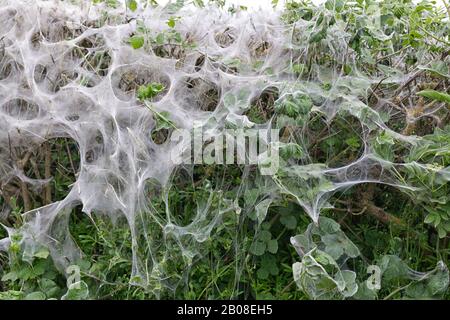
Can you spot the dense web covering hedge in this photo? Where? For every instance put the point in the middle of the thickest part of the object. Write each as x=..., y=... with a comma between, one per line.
x=357, y=90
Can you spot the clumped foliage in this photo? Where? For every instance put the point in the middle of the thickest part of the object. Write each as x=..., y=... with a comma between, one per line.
x=359, y=207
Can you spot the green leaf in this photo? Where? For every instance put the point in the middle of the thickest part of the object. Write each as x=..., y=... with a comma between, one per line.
x=289, y=221
x=110, y=3
x=347, y=69
x=353, y=142
x=132, y=5
x=42, y=253
x=364, y=293
x=291, y=151
x=351, y=287
x=140, y=26
x=294, y=106
x=171, y=22
x=265, y=236
x=49, y=287
x=328, y=225
x=319, y=35
x=272, y=246
x=269, y=263
x=430, y=218
x=77, y=291
x=261, y=208
x=385, y=138
x=334, y=4
x=258, y=248
x=39, y=268
x=393, y=268
x=446, y=226
x=161, y=123
x=438, y=283
x=439, y=68
x=25, y=273
x=136, y=41
x=251, y=195
x=177, y=37
x=298, y=68
x=199, y=3
x=160, y=39
x=262, y=273
x=435, y=95
x=162, y=118
x=11, y=295
x=334, y=247
x=35, y=296
x=149, y=91
x=441, y=232
x=84, y=265
x=10, y=276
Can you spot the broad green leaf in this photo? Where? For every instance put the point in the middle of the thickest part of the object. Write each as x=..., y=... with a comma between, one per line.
x=258, y=248
x=265, y=236
x=439, y=282
x=334, y=247
x=441, y=232
x=261, y=209
x=351, y=287
x=77, y=291
x=35, y=296
x=136, y=41
x=149, y=91
x=430, y=218
x=435, y=95
x=42, y=253
x=262, y=273
x=439, y=68
x=132, y=5
x=199, y=3
x=328, y=225
x=160, y=39
x=353, y=142
x=171, y=22
x=10, y=276
x=289, y=221
x=272, y=246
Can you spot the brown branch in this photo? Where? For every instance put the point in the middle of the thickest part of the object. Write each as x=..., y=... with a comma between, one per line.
x=23, y=186
x=375, y=89
x=382, y=215
x=35, y=168
x=70, y=158
x=25, y=196
x=407, y=82
x=47, y=173
x=288, y=130
x=375, y=211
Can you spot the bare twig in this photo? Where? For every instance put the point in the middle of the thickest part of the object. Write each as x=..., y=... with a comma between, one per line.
x=47, y=172
x=23, y=186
